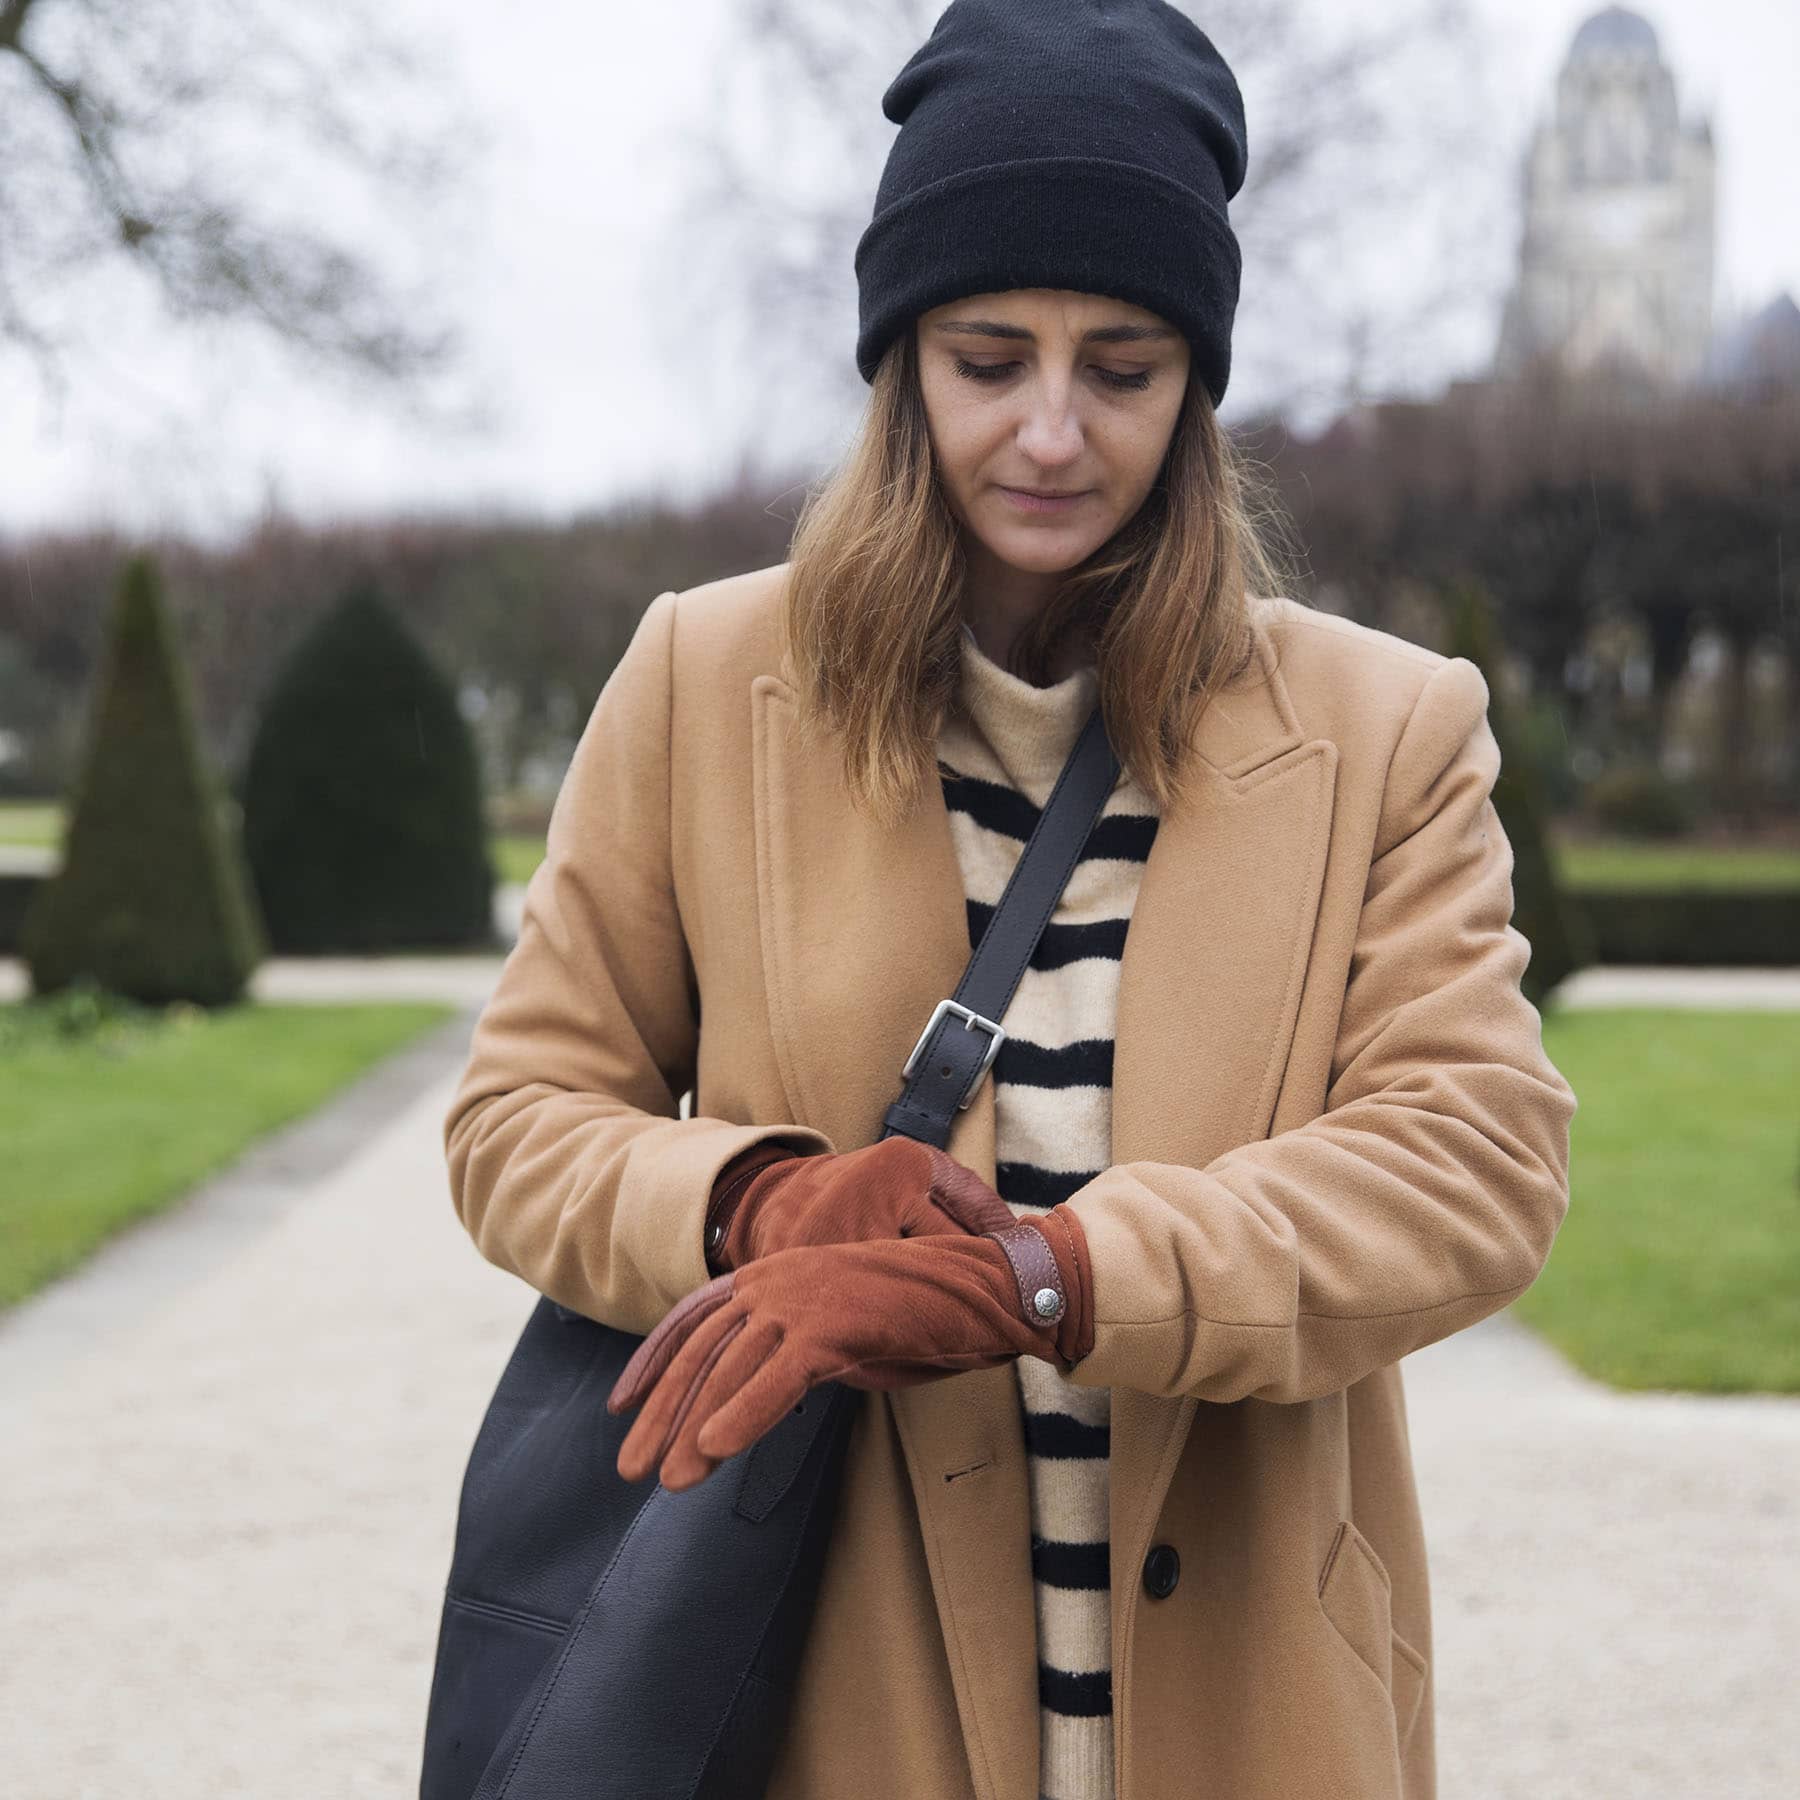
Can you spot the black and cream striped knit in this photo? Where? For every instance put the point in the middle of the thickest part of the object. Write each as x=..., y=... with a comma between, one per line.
x=1000, y=750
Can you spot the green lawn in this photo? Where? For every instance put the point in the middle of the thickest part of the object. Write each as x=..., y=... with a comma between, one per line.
x=516, y=855
x=29, y=822
x=1623, y=864
x=109, y=1112
x=1679, y=1262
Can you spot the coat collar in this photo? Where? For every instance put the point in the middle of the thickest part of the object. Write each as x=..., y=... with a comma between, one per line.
x=864, y=930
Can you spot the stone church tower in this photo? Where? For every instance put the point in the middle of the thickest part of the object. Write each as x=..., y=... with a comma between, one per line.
x=1616, y=258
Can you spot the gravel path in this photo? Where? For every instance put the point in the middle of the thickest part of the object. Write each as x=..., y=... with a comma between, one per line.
x=1615, y=1579
x=232, y=1445
x=229, y=1498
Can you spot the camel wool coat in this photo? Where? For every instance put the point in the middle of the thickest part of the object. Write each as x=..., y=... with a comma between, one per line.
x=1337, y=1137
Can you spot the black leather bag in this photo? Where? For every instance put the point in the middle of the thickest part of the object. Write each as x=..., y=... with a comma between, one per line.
x=603, y=1638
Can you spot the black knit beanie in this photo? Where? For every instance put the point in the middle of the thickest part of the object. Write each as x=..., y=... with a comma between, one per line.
x=1082, y=144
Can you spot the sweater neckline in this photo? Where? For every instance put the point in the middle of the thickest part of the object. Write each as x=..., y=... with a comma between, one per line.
x=1029, y=729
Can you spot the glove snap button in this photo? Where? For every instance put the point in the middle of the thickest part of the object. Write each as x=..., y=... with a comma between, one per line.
x=1048, y=1303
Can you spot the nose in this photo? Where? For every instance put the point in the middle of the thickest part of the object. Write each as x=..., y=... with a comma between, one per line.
x=1050, y=433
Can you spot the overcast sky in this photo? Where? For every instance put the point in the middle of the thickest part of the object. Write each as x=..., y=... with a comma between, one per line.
x=590, y=400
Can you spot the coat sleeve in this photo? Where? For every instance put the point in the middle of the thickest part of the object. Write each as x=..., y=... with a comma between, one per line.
x=1427, y=1193
x=568, y=1162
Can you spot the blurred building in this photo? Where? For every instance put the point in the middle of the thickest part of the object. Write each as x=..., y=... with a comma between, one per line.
x=1758, y=352
x=1616, y=255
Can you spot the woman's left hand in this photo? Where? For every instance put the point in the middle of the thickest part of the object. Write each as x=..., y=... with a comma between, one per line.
x=771, y=1198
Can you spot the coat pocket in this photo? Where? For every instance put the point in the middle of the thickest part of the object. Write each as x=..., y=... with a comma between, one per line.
x=1356, y=1594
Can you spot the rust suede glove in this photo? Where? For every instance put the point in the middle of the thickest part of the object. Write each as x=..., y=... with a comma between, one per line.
x=730, y=1360
x=771, y=1197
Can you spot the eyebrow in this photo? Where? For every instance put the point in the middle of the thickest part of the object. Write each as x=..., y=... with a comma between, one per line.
x=1101, y=334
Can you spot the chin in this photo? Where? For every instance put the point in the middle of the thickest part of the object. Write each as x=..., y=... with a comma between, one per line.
x=1047, y=551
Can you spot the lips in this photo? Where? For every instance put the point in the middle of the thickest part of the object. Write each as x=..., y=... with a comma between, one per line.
x=1028, y=501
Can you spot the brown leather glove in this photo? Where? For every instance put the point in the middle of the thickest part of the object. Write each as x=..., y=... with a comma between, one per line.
x=771, y=1197
x=729, y=1361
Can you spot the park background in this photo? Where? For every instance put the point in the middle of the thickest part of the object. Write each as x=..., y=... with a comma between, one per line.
x=363, y=377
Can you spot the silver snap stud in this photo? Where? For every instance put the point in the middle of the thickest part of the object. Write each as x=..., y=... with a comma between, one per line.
x=1048, y=1302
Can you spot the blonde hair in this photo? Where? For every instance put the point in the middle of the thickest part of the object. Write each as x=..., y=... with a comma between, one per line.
x=873, y=607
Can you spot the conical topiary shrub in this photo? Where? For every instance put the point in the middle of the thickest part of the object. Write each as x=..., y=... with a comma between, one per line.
x=363, y=819
x=1561, y=940
x=152, y=899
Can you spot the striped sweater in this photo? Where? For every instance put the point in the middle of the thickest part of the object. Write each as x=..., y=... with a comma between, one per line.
x=1000, y=750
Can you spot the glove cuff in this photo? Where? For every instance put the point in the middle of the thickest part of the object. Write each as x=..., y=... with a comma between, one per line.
x=726, y=1248
x=1049, y=1259
x=1063, y=1229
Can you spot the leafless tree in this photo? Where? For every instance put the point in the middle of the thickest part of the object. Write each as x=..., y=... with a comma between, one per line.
x=240, y=156
x=1364, y=219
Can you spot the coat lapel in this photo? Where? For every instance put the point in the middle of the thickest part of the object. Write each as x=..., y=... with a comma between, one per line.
x=1209, y=995
x=864, y=930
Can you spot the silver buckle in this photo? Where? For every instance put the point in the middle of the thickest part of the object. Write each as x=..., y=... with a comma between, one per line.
x=970, y=1020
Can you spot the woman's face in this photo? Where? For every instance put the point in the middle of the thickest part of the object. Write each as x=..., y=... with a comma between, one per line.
x=1045, y=391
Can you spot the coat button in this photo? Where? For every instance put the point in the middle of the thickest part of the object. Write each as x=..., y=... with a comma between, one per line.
x=1162, y=1569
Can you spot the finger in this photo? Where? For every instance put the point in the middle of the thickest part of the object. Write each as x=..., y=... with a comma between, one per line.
x=757, y=1407
x=651, y=1432
x=738, y=1358
x=654, y=1354
x=664, y=1340
x=694, y=1405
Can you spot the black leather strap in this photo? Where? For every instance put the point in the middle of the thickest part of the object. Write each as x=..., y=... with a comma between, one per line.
x=949, y=1061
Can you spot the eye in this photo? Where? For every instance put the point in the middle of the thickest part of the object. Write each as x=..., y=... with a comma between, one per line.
x=997, y=372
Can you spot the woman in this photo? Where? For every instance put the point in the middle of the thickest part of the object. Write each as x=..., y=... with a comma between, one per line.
x=1129, y=1507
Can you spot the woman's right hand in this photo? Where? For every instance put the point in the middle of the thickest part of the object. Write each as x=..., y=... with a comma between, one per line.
x=730, y=1360
x=772, y=1198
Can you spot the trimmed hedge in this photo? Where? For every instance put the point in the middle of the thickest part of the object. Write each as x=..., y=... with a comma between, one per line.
x=1543, y=909
x=363, y=818
x=151, y=900
x=16, y=895
x=1695, y=927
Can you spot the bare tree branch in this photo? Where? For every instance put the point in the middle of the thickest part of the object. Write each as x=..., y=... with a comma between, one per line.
x=12, y=22
x=177, y=138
